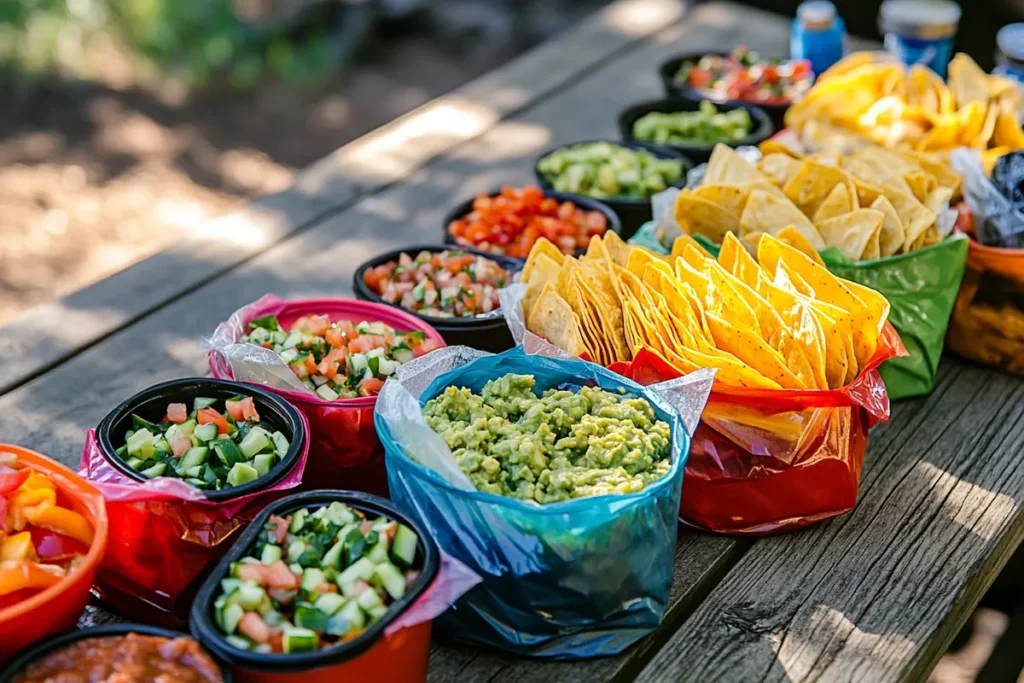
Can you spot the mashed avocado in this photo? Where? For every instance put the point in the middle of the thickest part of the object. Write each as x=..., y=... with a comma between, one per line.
x=561, y=445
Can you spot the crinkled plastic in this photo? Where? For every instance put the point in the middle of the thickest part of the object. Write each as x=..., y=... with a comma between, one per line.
x=345, y=448
x=164, y=534
x=996, y=222
x=580, y=578
x=764, y=461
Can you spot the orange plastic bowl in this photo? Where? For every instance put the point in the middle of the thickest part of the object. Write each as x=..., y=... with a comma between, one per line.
x=58, y=607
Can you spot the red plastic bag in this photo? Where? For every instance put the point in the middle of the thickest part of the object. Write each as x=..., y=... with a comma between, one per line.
x=164, y=535
x=345, y=448
x=764, y=461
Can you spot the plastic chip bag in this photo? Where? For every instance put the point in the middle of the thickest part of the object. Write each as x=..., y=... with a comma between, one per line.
x=579, y=578
x=345, y=448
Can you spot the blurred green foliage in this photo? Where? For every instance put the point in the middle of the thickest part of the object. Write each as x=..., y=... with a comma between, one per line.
x=200, y=41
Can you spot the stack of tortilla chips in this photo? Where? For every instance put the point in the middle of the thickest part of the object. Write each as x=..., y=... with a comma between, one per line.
x=870, y=203
x=866, y=95
x=780, y=321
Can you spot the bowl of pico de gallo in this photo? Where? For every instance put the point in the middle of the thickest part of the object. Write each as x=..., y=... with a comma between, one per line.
x=454, y=289
x=742, y=75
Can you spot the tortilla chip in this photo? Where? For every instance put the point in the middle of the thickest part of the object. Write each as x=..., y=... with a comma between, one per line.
x=753, y=351
x=967, y=82
x=679, y=246
x=553, y=319
x=732, y=198
x=796, y=239
x=768, y=213
x=543, y=271
x=779, y=167
x=892, y=235
x=618, y=251
x=852, y=232
x=696, y=215
x=837, y=203
x=726, y=167
x=1007, y=131
x=813, y=183
x=915, y=216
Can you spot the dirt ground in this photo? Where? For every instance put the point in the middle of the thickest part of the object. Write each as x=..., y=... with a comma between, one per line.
x=94, y=177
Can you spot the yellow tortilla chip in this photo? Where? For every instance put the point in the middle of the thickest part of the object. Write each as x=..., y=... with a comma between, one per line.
x=541, y=247
x=837, y=203
x=768, y=213
x=618, y=251
x=679, y=246
x=796, y=239
x=967, y=82
x=892, y=235
x=553, y=319
x=544, y=271
x=779, y=167
x=732, y=198
x=1007, y=131
x=726, y=167
x=753, y=351
x=696, y=215
x=852, y=232
x=813, y=183
x=915, y=216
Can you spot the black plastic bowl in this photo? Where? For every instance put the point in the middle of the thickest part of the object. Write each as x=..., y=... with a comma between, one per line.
x=699, y=152
x=585, y=203
x=202, y=619
x=151, y=404
x=776, y=111
x=487, y=333
x=632, y=212
x=59, y=642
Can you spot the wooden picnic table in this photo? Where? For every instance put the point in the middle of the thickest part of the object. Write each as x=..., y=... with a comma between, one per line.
x=877, y=594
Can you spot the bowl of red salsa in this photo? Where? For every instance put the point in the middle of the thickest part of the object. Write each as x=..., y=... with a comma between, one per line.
x=508, y=221
x=53, y=534
x=455, y=289
x=739, y=76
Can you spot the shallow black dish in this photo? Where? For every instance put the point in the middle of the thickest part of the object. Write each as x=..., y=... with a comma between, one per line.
x=58, y=642
x=632, y=211
x=698, y=152
x=201, y=623
x=585, y=203
x=151, y=404
x=668, y=70
x=487, y=333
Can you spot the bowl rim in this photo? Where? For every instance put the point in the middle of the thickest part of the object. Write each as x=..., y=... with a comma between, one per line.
x=761, y=132
x=663, y=152
x=47, y=645
x=494, y=319
x=297, y=442
x=200, y=623
x=89, y=497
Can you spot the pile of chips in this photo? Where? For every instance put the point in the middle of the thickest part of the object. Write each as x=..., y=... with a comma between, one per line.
x=869, y=203
x=872, y=96
x=780, y=321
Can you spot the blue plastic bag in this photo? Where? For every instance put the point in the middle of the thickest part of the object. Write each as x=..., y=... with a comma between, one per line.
x=574, y=579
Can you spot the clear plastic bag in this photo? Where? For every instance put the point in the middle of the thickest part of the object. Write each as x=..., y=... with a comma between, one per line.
x=579, y=578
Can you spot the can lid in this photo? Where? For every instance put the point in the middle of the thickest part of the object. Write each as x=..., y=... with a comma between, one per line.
x=816, y=14
x=936, y=18
x=1010, y=41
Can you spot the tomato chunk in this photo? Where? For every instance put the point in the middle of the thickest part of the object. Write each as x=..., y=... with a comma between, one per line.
x=177, y=413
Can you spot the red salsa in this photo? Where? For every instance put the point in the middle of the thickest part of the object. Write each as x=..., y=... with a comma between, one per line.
x=743, y=75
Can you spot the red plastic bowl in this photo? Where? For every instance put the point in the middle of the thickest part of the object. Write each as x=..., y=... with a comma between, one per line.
x=57, y=608
x=344, y=450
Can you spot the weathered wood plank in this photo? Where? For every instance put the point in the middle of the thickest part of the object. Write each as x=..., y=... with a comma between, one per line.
x=48, y=334
x=878, y=594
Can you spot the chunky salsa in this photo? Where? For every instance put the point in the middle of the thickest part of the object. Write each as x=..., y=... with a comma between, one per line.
x=132, y=657
x=606, y=170
x=316, y=578
x=41, y=538
x=706, y=126
x=210, y=447
x=339, y=359
x=445, y=284
x=559, y=445
x=513, y=220
x=743, y=75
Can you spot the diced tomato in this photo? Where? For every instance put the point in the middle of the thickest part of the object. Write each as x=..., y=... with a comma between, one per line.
x=359, y=587
x=283, y=595
x=249, y=409
x=424, y=347
x=276, y=641
x=13, y=480
x=253, y=572
x=370, y=386
x=179, y=444
x=280, y=525
x=313, y=324
x=325, y=588
x=280, y=576
x=253, y=626
x=207, y=415
x=310, y=364
x=328, y=369
x=334, y=335
x=177, y=413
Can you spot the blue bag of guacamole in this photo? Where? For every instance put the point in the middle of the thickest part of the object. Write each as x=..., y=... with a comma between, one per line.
x=583, y=577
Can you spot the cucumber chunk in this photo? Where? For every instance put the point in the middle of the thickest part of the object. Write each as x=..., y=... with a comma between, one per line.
x=298, y=519
x=403, y=546
x=230, y=616
x=369, y=599
x=194, y=456
x=263, y=462
x=242, y=474
x=255, y=441
x=332, y=558
x=281, y=444
x=200, y=402
x=376, y=613
x=391, y=579
x=362, y=569
x=206, y=432
x=228, y=452
x=271, y=554
x=353, y=614
x=156, y=470
x=298, y=639
x=326, y=393
x=379, y=552
x=140, y=444
x=339, y=514
x=329, y=603
x=311, y=618
x=240, y=643
x=311, y=578
x=136, y=463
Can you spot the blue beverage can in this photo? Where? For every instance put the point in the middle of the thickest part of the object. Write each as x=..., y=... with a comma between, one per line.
x=817, y=35
x=1010, y=52
x=920, y=31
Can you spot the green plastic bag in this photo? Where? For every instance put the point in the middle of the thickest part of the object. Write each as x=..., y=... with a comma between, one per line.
x=921, y=287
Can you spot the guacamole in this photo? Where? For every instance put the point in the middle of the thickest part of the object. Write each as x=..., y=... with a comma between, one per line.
x=562, y=445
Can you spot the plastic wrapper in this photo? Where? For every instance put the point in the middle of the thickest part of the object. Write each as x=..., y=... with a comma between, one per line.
x=763, y=461
x=579, y=578
x=164, y=534
x=345, y=448
x=998, y=221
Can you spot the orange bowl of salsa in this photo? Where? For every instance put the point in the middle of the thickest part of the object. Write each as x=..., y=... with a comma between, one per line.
x=53, y=534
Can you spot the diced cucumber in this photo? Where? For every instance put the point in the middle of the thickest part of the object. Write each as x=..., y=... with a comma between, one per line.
x=156, y=470
x=198, y=483
x=329, y=603
x=391, y=579
x=338, y=625
x=140, y=444
x=377, y=328
x=136, y=463
x=291, y=341
x=288, y=355
x=230, y=616
x=353, y=614
x=311, y=618
x=326, y=393
x=295, y=550
x=194, y=473
x=363, y=327
x=374, y=353
x=369, y=599
x=271, y=615
x=187, y=427
x=263, y=649
x=358, y=362
x=229, y=585
x=271, y=553
x=403, y=546
x=196, y=455
x=263, y=462
x=206, y=432
x=298, y=519
x=255, y=441
x=311, y=578
x=362, y=569
x=401, y=354
x=379, y=552
x=386, y=367
x=377, y=612
x=140, y=423
x=296, y=568
x=319, y=380
x=332, y=558
x=248, y=595
x=228, y=452
x=242, y=474
x=200, y=402
x=278, y=336
x=339, y=514
x=160, y=443
x=299, y=639
x=373, y=362
x=281, y=444
x=240, y=643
